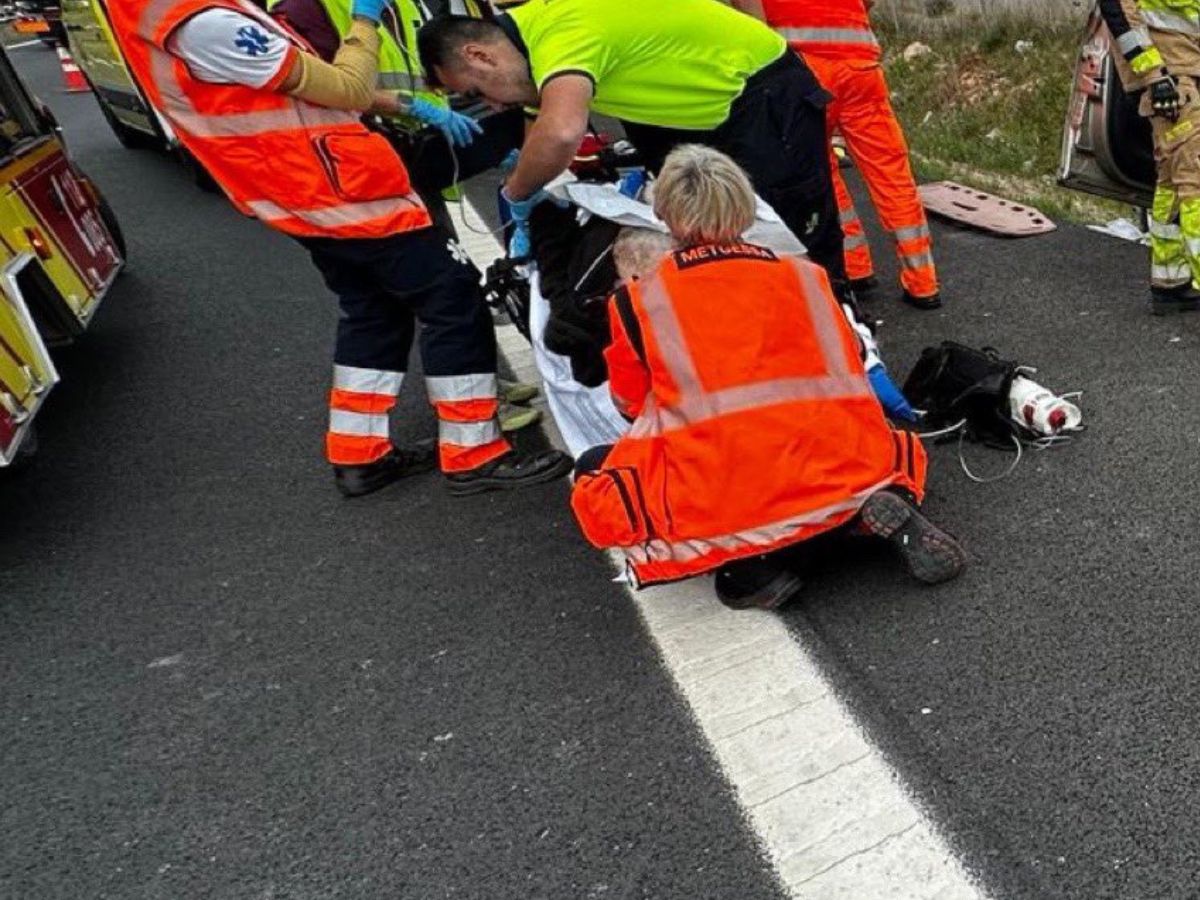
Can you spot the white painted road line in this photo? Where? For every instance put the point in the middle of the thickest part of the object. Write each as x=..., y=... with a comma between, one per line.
x=829, y=811
x=23, y=44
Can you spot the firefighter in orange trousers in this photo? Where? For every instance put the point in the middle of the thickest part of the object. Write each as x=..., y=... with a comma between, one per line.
x=837, y=42
x=754, y=425
x=279, y=129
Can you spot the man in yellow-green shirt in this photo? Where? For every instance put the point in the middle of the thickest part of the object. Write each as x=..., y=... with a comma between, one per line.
x=688, y=71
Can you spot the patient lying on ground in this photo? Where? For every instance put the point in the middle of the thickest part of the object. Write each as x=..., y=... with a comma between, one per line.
x=754, y=427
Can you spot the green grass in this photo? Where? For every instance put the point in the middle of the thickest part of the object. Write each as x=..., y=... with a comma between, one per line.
x=978, y=111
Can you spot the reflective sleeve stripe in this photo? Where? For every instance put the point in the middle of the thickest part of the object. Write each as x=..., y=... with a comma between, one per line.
x=912, y=232
x=366, y=381
x=854, y=241
x=462, y=387
x=848, y=216
x=916, y=260
x=402, y=81
x=1146, y=61
x=1193, y=247
x=1130, y=41
x=1170, y=21
x=335, y=216
x=658, y=550
x=468, y=434
x=358, y=424
x=829, y=36
x=1170, y=272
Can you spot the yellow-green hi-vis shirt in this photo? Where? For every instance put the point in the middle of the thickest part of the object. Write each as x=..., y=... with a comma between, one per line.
x=670, y=63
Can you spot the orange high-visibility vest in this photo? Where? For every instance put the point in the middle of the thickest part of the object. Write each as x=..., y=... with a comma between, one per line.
x=303, y=169
x=840, y=28
x=759, y=429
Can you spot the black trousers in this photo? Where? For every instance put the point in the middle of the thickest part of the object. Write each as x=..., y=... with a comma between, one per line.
x=385, y=286
x=776, y=132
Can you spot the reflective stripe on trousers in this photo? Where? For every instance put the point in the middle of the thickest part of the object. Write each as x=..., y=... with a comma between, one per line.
x=695, y=404
x=765, y=536
x=359, y=404
x=469, y=433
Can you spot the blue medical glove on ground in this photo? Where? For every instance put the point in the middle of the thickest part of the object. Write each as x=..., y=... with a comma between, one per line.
x=889, y=395
x=460, y=130
x=370, y=9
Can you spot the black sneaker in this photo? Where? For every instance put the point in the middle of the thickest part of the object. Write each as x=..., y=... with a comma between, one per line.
x=933, y=301
x=930, y=554
x=756, y=583
x=1169, y=301
x=509, y=472
x=354, y=481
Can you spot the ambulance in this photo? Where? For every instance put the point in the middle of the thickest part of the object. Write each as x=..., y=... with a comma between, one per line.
x=60, y=250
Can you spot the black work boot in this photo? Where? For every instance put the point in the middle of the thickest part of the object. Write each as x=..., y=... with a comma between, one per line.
x=929, y=554
x=1179, y=299
x=759, y=582
x=510, y=471
x=400, y=462
x=933, y=301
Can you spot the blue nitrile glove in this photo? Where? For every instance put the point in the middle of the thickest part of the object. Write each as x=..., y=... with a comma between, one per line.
x=889, y=396
x=519, y=246
x=460, y=130
x=509, y=162
x=371, y=9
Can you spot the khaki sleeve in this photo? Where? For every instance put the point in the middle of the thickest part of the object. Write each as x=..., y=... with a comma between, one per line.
x=346, y=83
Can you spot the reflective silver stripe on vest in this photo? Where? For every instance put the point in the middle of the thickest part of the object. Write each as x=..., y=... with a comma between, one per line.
x=695, y=404
x=1169, y=21
x=468, y=434
x=848, y=216
x=863, y=36
x=854, y=241
x=1133, y=39
x=448, y=388
x=357, y=424
x=658, y=550
x=333, y=216
x=911, y=233
x=367, y=381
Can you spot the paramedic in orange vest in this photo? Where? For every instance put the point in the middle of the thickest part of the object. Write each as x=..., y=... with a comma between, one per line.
x=838, y=44
x=279, y=130
x=754, y=425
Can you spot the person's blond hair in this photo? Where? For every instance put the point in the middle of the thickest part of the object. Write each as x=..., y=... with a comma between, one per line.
x=703, y=196
x=638, y=251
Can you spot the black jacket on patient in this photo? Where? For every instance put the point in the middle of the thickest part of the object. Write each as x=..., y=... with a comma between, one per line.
x=577, y=274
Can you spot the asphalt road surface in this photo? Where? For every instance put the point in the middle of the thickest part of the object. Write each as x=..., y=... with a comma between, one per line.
x=220, y=680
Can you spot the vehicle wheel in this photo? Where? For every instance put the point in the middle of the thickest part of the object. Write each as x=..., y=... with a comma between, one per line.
x=196, y=172
x=129, y=138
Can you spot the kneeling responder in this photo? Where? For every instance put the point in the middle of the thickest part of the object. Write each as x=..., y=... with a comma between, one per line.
x=839, y=45
x=688, y=71
x=754, y=425
x=279, y=130
x=1158, y=52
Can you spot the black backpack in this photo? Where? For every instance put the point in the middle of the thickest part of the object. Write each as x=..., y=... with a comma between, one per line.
x=953, y=383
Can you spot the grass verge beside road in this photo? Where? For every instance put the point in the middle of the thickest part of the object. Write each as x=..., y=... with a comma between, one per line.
x=985, y=106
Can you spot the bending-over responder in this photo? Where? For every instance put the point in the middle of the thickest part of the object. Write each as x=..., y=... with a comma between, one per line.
x=754, y=425
x=279, y=130
x=840, y=47
x=685, y=71
x=1158, y=52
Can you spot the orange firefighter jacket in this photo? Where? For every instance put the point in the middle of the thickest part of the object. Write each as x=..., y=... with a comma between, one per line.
x=754, y=424
x=838, y=28
x=303, y=169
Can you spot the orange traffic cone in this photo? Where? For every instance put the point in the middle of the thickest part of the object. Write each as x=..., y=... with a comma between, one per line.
x=75, y=82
